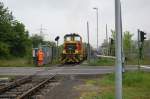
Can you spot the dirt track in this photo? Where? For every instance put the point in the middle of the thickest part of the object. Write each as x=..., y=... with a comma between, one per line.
x=66, y=89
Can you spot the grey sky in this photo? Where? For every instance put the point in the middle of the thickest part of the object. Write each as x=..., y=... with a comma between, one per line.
x=59, y=17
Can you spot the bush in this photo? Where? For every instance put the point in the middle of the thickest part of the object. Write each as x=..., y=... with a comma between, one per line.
x=4, y=50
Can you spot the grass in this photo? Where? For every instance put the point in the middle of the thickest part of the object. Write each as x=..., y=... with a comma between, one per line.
x=136, y=85
x=111, y=62
x=102, y=62
x=16, y=62
x=134, y=61
x=23, y=62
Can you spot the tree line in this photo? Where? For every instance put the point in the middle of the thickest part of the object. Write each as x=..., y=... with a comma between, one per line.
x=14, y=38
x=130, y=46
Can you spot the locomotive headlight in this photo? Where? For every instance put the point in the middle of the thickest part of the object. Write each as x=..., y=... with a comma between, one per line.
x=76, y=51
x=64, y=51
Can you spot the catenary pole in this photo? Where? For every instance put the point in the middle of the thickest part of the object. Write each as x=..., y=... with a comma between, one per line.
x=118, y=51
x=139, y=49
x=97, y=30
x=97, y=25
x=107, y=40
x=88, y=42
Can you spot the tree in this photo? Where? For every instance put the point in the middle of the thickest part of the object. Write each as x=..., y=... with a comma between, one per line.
x=147, y=48
x=104, y=48
x=50, y=43
x=14, y=39
x=127, y=43
x=4, y=50
x=20, y=42
x=112, y=43
x=36, y=40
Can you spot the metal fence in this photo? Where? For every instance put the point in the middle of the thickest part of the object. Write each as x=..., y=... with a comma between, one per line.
x=49, y=54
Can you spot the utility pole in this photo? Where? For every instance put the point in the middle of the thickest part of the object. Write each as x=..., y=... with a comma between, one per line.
x=89, y=54
x=107, y=41
x=139, y=49
x=118, y=51
x=97, y=26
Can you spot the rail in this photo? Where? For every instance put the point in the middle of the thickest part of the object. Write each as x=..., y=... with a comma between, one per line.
x=15, y=83
x=32, y=90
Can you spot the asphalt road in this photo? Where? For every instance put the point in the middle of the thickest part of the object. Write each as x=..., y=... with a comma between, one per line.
x=65, y=70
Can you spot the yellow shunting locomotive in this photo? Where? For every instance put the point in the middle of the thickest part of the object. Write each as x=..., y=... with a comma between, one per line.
x=73, y=49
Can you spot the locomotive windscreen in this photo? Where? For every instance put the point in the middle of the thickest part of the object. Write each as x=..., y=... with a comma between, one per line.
x=72, y=37
x=68, y=38
x=77, y=38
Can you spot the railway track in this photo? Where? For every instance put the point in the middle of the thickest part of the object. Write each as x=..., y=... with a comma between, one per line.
x=25, y=88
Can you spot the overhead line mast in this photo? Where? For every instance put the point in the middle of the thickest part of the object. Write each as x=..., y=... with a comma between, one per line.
x=118, y=50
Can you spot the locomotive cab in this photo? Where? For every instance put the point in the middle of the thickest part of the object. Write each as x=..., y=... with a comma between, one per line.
x=73, y=49
x=72, y=44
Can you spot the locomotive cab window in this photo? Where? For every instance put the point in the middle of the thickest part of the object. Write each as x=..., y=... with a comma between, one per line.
x=77, y=38
x=68, y=38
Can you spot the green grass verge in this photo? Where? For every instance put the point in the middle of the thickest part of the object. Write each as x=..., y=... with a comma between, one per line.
x=23, y=62
x=101, y=62
x=134, y=61
x=16, y=62
x=136, y=85
x=53, y=63
x=111, y=62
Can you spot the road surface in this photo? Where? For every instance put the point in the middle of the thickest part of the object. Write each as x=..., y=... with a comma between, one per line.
x=65, y=70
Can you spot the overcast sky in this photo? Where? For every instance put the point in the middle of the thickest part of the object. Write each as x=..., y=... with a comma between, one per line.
x=59, y=17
